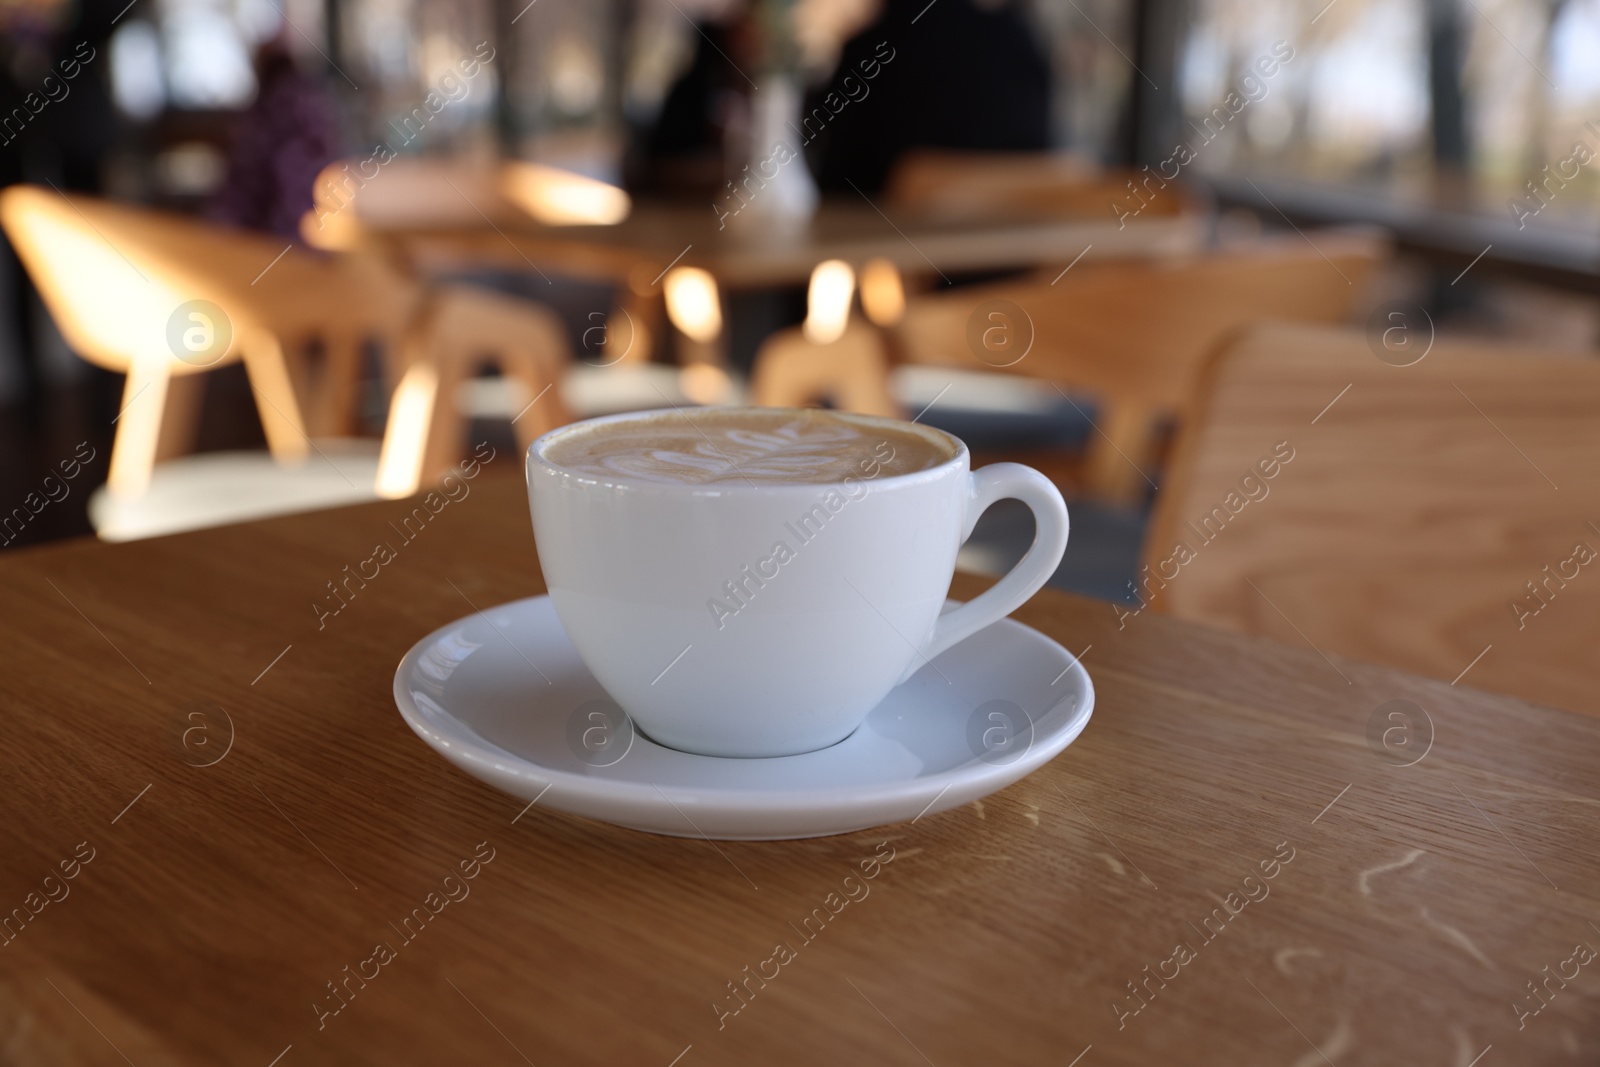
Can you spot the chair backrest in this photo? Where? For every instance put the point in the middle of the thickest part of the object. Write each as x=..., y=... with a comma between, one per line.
x=1138, y=330
x=113, y=275
x=851, y=371
x=944, y=184
x=1440, y=517
x=109, y=296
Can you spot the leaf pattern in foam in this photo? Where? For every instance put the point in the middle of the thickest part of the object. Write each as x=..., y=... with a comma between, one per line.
x=804, y=450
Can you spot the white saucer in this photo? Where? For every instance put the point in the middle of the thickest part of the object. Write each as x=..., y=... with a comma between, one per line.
x=503, y=695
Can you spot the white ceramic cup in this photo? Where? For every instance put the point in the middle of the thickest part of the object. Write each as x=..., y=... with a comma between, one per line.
x=804, y=643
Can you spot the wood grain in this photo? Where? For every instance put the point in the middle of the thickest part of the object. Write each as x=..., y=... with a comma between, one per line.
x=221, y=901
x=1432, y=514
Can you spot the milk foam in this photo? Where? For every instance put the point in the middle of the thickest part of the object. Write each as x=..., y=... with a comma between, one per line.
x=756, y=446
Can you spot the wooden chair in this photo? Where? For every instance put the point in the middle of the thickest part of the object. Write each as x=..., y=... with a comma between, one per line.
x=852, y=373
x=956, y=185
x=460, y=330
x=1439, y=517
x=1132, y=335
x=118, y=280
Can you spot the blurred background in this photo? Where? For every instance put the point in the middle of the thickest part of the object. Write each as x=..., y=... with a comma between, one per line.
x=267, y=255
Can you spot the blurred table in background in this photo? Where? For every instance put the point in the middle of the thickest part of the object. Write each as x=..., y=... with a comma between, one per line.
x=752, y=254
x=1457, y=232
x=657, y=244
x=440, y=218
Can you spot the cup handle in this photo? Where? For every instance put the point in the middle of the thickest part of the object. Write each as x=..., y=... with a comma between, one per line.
x=1003, y=481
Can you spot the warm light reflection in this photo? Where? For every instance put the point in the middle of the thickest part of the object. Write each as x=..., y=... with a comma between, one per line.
x=692, y=303
x=833, y=283
x=331, y=224
x=883, y=297
x=411, y=410
x=705, y=383
x=559, y=197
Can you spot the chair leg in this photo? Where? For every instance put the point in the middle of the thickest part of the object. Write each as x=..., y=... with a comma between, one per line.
x=410, y=361
x=631, y=329
x=545, y=410
x=423, y=437
x=275, y=397
x=335, y=413
x=441, y=349
x=181, y=418
x=446, y=429
x=405, y=438
x=133, y=452
x=1120, y=454
x=865, y=387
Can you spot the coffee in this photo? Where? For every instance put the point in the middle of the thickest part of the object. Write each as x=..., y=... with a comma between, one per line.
x=762, y=446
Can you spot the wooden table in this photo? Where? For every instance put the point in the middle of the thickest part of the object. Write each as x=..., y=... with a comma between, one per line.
x=228, y=882
x=451, y=233
x=746, y=253
x=1456, y=228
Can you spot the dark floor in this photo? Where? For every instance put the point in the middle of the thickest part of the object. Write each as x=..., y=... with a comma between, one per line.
x=37, y=436
x=1103, y=549
x=64, y=426
x=1102, y=552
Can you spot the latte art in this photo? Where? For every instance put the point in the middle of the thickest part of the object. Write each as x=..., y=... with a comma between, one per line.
x=746, y=446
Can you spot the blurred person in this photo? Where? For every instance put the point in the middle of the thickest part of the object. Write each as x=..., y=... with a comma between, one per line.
x=61, y=83
x=683, y=151
x=59, y=126
x=281, y=143
x=952, y=74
